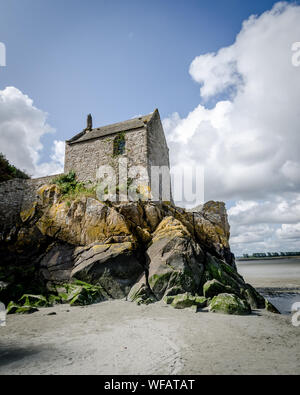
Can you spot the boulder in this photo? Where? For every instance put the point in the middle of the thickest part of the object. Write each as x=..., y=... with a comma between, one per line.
x=229, y=304
x=115, y=267
x=213, y=287
x=233, y=282
x=212, y=229
x=83, y=221
x=174, y=260
x=81, y=294
x=57, y=264
x=185, y=300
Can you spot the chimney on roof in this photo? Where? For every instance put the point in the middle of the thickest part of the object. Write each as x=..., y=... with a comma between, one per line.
x=89, y=122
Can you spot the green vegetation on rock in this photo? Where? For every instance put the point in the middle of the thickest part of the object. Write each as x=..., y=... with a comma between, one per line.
x=213, y=287
x=185, y=300
x=80, y=293
x=71, y=188
x=229, y=304
x=34, y=301
x=143, y=251
x=14, y=308
x=8, y=171
x=77, y=293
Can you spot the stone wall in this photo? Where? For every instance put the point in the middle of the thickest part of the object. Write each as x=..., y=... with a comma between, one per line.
x=85, y=157
x=17, y=195
x=158, y=151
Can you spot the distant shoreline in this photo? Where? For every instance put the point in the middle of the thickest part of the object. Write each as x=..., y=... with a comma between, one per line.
x=268, y=258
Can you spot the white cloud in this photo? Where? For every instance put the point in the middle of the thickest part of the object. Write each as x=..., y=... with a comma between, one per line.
x=22, y=126
x=249, y=144
x=288, y=231
x=263, y=226
x=277, y=211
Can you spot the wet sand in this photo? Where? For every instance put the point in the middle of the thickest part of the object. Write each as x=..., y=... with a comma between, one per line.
x=119, y=337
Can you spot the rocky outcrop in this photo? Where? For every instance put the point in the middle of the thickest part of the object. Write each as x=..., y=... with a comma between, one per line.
x=82, y=250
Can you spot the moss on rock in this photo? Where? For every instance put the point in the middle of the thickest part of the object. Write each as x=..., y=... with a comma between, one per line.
x=14, y=308
x=213, y=287
x=186, y=300
x=229, y=304
x=34, y=301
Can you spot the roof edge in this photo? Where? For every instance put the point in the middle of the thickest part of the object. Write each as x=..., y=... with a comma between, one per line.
x=145, y=119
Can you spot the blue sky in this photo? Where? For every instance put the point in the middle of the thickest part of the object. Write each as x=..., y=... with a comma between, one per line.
x=112, y=58
x=224, y=84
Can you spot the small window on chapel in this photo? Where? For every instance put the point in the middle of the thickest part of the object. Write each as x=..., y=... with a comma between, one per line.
x=119, y=144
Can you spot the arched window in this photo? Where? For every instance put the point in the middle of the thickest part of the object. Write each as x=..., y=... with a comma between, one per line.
x=119, y=144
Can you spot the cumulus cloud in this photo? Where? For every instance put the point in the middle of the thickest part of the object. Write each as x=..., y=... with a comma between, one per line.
x=249, y=144
x=22, y=126
x=290, y=232
x=265, y=225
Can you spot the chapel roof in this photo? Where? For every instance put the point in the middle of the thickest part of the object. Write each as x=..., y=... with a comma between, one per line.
x=130, y=124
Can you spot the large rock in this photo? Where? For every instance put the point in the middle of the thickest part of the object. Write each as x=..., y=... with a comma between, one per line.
x=185, y=300
x=213, y=287
x=175, y=260
x=82, y=221
x=144, y=251
x=212, y=229
x=233, y=282
x=229, y=304
x=115, y=267
x=57, y=263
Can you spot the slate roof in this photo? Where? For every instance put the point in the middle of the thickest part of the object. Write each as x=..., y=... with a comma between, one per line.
x=130, y=124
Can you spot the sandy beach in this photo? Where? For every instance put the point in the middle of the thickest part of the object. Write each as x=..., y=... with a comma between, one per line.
x=119, y=337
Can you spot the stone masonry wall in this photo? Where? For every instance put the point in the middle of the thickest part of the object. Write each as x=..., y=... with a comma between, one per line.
x=86, y=157
x=158, y=151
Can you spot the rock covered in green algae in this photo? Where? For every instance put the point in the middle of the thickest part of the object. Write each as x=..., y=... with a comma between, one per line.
x=80, y=293
x=182, y=301
x=34, y=301
x=229, y=304
x=233, y=282
x=175, y=260
x=213, y=287
x=14, y=308
x=74, y=294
